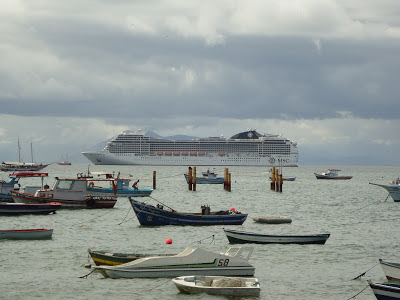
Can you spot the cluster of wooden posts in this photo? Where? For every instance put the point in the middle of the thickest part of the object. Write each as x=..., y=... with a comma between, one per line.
x=276, y=180
x=192, y=179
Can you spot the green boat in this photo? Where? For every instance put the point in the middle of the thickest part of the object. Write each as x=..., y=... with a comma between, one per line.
x=113, y=259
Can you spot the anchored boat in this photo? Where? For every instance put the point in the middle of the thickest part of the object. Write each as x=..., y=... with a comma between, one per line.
x=191, y=261
x=26, y=234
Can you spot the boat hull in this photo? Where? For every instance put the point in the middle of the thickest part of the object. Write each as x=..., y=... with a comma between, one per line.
x=321, y=176
x=175, y=272
x=240, y=237
x=26, y=234
x=202, y=180
x=107, y=158
x=190, y=285
x=149, y=215
x=385, y=291
x=393, y=190
x=65, y=203
x=24, y=209
x=390, y=269
x=104, y=192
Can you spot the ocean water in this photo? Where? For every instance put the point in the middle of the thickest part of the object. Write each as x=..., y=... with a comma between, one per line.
x=362, y=221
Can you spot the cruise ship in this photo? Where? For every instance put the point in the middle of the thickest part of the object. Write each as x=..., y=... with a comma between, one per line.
x=248, y=148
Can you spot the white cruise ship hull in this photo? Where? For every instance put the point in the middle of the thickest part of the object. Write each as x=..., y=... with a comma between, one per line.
x=106, y=158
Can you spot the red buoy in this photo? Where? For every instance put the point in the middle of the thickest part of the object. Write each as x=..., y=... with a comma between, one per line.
x=168, y=241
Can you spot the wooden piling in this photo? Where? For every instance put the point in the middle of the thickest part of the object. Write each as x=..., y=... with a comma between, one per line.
x=280, y=182
x=226, y=179
x=276, y=180
x=273, y=179
x=190, y=178
x=154, y=180
x=229, y=182
x=194, y=179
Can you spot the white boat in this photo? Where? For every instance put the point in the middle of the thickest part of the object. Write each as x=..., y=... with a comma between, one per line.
x=218, y=285
x=207, y=178
x=191, y=261
x=26, y=234
x=248, y=148
x=332, y=174
x=391, y=269
x=393, y=189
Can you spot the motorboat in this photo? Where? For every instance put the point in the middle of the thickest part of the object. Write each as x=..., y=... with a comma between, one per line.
x=242, y=237
x=112, y=259
x=393, y=189
x=26, y=234
x=9, y=209
x=207, y=178
x=191, y=261
x=391, y=269
x=118, y=187
x=150, y=215
x=70, y=192
x=385, y=291
x=332, y=174
x=218, y=285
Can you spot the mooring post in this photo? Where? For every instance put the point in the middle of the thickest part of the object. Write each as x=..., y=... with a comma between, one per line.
x=280, y=182
x=273, y=179
x=229, y=182
x=154, y=180
x=190, y=178
x=276, y=180
x=194, y=179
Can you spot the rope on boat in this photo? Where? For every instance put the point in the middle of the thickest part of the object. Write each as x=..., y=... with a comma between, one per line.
x=358, y=293
x=362, y=274
x=162, y=203
x=211, y=236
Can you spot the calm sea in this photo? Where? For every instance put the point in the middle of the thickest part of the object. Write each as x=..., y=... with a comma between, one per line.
x=364, y=227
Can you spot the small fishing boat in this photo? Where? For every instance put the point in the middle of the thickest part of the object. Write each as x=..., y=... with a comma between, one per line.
x=391, y=269
x=272, y=220
x=150, y=215
x=385, y=291
x=118, y=187
x=218, y=285
x=71, y=193
x=113, y=259
x=207, y=178
x=191, y=261
x=7, y=209
x=393, y=189
x=26, y=234
x=242, y=237
x=332, y=174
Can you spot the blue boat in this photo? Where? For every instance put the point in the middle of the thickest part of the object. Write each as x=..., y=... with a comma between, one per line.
x=119, y=187
x=385, y=291
x=10, y=209
x=150, y=215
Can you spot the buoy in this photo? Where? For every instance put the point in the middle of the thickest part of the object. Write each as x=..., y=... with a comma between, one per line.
x=168, y=241
x=232, y=208
x=81, y=225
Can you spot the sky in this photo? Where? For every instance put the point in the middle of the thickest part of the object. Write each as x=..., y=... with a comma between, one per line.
x=323, y=73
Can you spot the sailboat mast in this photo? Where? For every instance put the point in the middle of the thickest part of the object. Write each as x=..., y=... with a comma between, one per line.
x=19, y=151
x=31, y=153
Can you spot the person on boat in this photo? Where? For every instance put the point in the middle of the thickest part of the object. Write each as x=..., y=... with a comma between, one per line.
x=398, y=180
x=134, y=185
x=46, y=186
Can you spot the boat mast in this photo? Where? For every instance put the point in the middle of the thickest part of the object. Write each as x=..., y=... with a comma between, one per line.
x=19, y=151
x=31, y=153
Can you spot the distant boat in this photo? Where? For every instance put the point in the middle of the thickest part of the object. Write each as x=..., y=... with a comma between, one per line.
x=291, y=178
x=393, y=189
x=64, y=162
x=391, y=269
x=207, y=178
x=218, y=285
x=28, y=209
x=21, y=166
x=26, y=234
x=156, y=216
x=242, y=237
x=385, y=291
x=332, y=174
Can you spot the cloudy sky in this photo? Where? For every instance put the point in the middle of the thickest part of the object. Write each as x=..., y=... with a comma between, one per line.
x=324, y=73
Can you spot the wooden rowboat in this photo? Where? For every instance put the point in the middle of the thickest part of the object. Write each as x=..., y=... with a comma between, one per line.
x=26, y=234
x=218, y=285
x=242, y=237
x=31, y=208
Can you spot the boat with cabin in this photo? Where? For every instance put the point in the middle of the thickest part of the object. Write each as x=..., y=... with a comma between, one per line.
x=207, y=178
x=332, y=174
x=70, y=192
x=218, y=285
x=191, y=261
